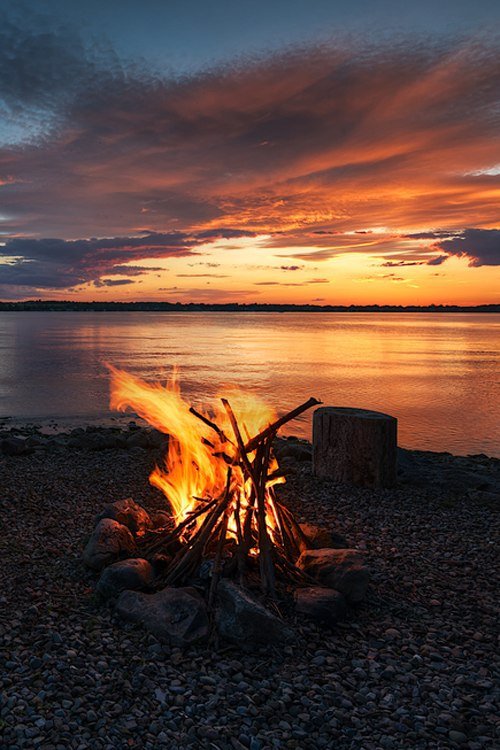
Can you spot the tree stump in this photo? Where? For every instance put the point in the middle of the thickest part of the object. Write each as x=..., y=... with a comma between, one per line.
x=355, y=446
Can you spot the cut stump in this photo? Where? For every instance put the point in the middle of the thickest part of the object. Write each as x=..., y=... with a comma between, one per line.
x=355, y=446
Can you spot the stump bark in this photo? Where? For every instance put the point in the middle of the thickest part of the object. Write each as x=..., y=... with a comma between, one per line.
x=355, y=446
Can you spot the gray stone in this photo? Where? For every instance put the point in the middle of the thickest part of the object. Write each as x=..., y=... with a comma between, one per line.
x=243, y=619
x=129, y=513
x=293, y=450
x=135, y=574
x=138, y=439
x=109, y=542
x=321, y=538
x=160, y=519
x=326, y=606
x=341, y=569
x=16, y=446
x=174, y=616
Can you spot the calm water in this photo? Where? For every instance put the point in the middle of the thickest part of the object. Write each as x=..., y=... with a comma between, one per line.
x=438, y=374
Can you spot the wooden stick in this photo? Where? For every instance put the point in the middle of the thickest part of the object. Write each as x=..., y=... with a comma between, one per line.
x=165, y=539
x=240, y=550
x=242, y=454
x=190, y=556
x=220, y=544
x=211, y=424
x=274, y=427
x=298, y=534
x=265, y=558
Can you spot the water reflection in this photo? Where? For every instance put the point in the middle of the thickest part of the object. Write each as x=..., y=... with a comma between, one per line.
x=436, y=373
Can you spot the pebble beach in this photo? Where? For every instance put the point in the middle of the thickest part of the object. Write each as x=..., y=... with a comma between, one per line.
x=414, y=666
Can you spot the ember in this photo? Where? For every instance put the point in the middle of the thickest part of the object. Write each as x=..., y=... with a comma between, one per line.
x=218, y=478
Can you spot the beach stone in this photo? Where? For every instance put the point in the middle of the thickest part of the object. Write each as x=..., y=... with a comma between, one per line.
x=160, y=519
x=109, y=541
x=15, y=446
x=326, y=606
x=138, y=439
x=176, y=616
x=294, y=450
x=341, y=569
x=129, y=513
x=320, y=538
x=244, y=620
x=135, y=574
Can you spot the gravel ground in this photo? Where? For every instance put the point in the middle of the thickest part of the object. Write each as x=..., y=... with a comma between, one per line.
x=413, y=667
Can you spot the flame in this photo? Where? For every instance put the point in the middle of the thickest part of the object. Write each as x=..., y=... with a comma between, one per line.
x=196, y=464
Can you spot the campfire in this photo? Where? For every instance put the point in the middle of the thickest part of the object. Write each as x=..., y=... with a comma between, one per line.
x=229, y=557
x=219, y=478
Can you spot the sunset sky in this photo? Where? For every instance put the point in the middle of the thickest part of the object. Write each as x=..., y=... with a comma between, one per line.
x=280, y=151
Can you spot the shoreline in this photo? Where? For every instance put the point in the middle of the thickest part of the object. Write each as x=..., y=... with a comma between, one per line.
x=412, y=667
x=477, y=474
x=265, y=307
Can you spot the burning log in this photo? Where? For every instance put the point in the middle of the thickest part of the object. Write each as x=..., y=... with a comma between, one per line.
x=238, y=524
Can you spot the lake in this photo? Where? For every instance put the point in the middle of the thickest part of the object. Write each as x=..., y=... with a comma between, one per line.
x=437, y=373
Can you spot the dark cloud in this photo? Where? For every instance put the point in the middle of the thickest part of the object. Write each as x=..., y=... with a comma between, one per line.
x=306, y=282
x=437, y=260
x=202, y=275
x=402, y=263
x=291, y=268
x=56, y=263
x=480, y=246
x=262, y=142
x=113, y=282
x=310, y=146
x=136, y=270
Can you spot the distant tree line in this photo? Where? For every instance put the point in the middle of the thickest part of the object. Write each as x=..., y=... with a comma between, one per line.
x=67, y=305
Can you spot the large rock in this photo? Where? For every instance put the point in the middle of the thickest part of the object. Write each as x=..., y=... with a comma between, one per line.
x=136, y=574
x=129, y=513
x=293, y=450
x=15, y=446
x=341, y=569
x=244, y=620
x=319, y=538
x=109, y=542
x=325, y=606
x=174, y=616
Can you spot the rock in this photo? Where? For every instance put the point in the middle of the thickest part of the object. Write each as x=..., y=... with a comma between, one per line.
x=243, y=619
x=459, y=737
x=96, y=441
x=15, y=446
x=129, y=513
x=160, y=519
x=109, y=541
x=157, y=439
x=323, y=605
x=138, y=439
x=135, y=574
x=295, y=451
x=321, y=538
x=174, y=616
x=341, y=569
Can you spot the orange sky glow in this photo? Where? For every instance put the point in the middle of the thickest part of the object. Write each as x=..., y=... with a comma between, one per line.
x=330, y=176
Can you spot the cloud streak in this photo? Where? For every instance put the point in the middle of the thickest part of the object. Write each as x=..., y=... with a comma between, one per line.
x=308, y=147
x=56, y=263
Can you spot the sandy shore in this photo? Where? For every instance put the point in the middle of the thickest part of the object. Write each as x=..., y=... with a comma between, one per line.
x=413, y=667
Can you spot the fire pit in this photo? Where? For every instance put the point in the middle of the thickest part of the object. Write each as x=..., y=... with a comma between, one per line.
x=229, y=557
